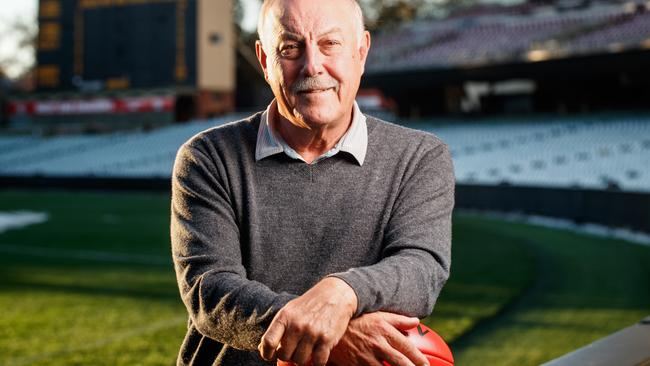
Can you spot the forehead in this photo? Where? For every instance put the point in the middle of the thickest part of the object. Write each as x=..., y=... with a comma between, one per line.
x=310, y=16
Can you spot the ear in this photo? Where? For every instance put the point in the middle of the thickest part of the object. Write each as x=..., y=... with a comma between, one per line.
x=364, y=48
x=261, y=57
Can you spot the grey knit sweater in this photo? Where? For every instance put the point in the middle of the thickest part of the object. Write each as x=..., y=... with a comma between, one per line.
x=248, y=236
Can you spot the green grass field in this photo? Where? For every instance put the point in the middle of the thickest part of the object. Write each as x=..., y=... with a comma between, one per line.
x=94, y=285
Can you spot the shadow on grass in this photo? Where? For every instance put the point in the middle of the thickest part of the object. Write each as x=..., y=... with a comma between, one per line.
x=582, y=288
x=90, y=279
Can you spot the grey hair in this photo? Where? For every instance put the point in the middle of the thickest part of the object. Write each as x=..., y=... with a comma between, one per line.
x=266, y=5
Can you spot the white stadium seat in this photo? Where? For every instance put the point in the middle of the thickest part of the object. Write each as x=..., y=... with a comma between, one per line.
x=597, y=152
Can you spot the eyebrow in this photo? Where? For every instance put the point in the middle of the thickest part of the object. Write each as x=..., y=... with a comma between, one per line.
x=297, y=37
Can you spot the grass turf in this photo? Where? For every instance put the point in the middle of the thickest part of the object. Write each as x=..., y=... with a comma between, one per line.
x=97, y=286
x=583, y=288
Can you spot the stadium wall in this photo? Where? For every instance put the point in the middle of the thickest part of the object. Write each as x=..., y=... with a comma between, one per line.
x=629, y=210
x=611, y=208
x=86, y=183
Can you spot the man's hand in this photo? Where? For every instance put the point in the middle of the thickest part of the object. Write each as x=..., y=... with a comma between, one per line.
x=308, y=327
x=376, y=337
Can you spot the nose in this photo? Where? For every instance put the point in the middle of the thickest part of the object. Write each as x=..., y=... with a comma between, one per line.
x=313, y=59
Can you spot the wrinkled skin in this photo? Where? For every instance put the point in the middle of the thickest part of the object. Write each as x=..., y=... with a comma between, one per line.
x=313, y=56
x=308, y=327
x=375, y=337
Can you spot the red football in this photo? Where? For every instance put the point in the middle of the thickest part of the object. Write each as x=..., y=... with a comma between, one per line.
x=427, y=341
x=431, y=345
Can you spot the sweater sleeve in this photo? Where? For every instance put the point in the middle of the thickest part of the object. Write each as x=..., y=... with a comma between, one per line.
x=222, y=303
x=416, y=254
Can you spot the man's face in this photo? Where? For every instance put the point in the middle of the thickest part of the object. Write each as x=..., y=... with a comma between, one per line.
x=313, y=60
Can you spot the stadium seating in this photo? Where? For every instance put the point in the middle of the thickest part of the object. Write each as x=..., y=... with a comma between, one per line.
x=632, y=30
x=135, y=154
x=593, y=152
x=498, y=34
x=596, y=151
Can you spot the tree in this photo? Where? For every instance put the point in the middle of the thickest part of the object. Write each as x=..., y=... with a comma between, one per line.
x=21, y=35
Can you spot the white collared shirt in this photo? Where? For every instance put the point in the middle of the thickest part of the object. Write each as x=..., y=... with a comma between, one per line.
x=354, y=141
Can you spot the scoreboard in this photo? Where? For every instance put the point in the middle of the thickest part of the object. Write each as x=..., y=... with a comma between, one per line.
x=109, y=45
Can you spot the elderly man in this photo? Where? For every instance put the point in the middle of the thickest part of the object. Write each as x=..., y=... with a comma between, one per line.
x=310, y=232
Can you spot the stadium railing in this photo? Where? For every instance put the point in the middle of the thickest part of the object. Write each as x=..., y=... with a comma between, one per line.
x=626, y=347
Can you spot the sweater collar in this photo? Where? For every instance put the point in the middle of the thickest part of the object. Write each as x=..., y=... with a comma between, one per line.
x=354, y=141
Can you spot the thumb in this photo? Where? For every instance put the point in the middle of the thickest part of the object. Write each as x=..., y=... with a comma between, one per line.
x=401, y=322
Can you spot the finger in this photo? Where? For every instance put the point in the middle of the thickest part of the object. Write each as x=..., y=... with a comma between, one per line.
x=400, y=321
x=399, y=360
x=401, y=344
x=395, y=358
x=321, y=355
x=290, y=340
x=271, y=340
x=303, y=351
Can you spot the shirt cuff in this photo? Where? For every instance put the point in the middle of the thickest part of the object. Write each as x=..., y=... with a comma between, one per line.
x=365, y=295
x=282, y=299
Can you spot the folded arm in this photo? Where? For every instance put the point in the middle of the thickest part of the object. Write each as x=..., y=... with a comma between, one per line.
x=223, y=304
x=406, y=281
x=417, y=243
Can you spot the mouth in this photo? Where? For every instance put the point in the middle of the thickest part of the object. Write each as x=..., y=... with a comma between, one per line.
x=315, y=91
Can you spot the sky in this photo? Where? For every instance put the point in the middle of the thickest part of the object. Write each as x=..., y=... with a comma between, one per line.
x=22, y=8
x=11, y=10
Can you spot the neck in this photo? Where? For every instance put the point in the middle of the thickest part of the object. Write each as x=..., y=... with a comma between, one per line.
x=312, y=142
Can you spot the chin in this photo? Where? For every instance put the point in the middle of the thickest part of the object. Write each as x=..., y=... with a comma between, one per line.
x=320, y=110
x=317, y=118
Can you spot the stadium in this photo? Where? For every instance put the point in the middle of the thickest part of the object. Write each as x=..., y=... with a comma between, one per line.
x=545, y=106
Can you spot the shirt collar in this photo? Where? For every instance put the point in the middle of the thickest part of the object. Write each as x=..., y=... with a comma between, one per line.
x=354, y=141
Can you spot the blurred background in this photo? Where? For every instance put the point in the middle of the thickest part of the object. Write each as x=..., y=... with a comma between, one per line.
x=545, y=105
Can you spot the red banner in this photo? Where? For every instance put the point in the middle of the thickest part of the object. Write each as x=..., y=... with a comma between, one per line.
x=92, y=106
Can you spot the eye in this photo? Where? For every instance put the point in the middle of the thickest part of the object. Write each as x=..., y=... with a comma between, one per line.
x=290, y=50
x=331, y=43
x=330, y=46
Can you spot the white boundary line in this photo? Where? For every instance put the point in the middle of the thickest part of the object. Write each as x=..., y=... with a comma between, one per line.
x=20, y=219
